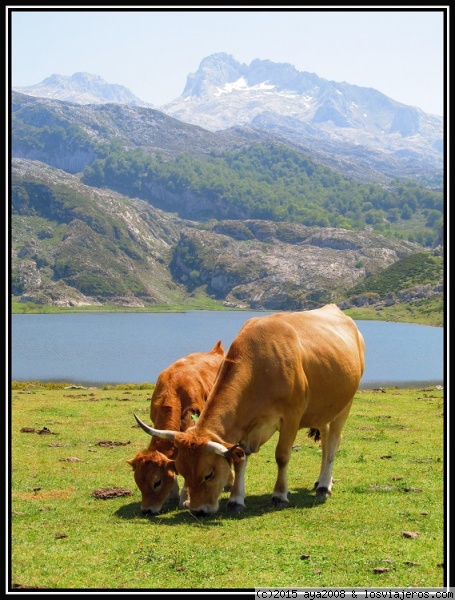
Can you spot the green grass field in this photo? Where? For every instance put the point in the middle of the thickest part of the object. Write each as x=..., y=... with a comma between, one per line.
x=389, y=483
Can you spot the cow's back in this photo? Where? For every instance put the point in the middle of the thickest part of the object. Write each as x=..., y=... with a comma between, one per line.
x=184, y=385
x=301, y=365
x=332, y=357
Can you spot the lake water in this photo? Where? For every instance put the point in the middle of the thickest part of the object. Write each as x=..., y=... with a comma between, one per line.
x=97, y=349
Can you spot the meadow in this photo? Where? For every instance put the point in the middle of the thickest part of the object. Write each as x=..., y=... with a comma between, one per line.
x=384, y=525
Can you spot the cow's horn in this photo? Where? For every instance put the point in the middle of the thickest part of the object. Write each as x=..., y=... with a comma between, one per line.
x=217, y=448
x=165, y=434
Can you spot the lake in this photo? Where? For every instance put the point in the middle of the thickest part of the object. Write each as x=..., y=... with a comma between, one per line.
x=111, y=348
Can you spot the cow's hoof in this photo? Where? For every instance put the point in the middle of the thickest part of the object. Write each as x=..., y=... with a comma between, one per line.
x=234, y=508
x=322, y=493
x=315, y=486
x=279, y=502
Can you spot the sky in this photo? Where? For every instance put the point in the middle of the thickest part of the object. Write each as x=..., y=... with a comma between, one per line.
x=398, y=51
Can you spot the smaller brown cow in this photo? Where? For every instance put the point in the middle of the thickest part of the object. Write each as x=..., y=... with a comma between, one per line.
x=179, y=396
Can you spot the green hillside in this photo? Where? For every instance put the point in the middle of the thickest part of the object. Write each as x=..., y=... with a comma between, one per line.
x=417, y=269
x=270, y=182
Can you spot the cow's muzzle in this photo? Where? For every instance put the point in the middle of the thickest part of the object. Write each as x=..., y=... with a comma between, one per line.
x=201, y=511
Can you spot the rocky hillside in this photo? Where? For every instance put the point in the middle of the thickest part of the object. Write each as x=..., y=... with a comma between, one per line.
x=261, y=264
x=73, y=245
x=69, y=136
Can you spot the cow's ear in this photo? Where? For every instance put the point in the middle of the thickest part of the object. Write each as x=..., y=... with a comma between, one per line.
x=131, y=462
x=235, y=453
x=171, y=466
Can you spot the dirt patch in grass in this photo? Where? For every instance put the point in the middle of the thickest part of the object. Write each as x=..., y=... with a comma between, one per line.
x=111, y=444
x=111, y=492
x=43, y=431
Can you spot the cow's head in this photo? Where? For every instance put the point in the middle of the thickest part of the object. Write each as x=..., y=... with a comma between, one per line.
x=156, y=477
x=205, y=464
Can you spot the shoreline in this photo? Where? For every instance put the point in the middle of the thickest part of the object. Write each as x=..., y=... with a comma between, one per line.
x=81, y=384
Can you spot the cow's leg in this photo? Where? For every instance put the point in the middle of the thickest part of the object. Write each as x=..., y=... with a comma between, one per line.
x=330, y=440
x=282, y=456
x=236, y=502
x=184, y=496
x=324, y=434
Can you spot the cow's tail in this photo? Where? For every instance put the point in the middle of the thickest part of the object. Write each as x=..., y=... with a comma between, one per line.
x=314, y=433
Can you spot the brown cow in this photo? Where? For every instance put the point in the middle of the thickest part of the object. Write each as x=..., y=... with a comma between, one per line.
x=282, y=373
x=179, y=396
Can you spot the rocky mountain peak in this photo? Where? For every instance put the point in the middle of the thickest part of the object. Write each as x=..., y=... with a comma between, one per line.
x=283, y=76
x=220, y=72
x=83, y=88
x=222, y=85
x=215, y=71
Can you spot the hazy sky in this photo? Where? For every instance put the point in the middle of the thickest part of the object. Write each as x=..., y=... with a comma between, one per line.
x=398, y=51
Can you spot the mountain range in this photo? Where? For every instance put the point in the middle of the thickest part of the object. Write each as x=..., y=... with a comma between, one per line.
x=116, y=202
x=356, y=130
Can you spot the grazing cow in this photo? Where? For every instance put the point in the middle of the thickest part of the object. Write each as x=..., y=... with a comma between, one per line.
x=282, y=372
x=179, y=396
